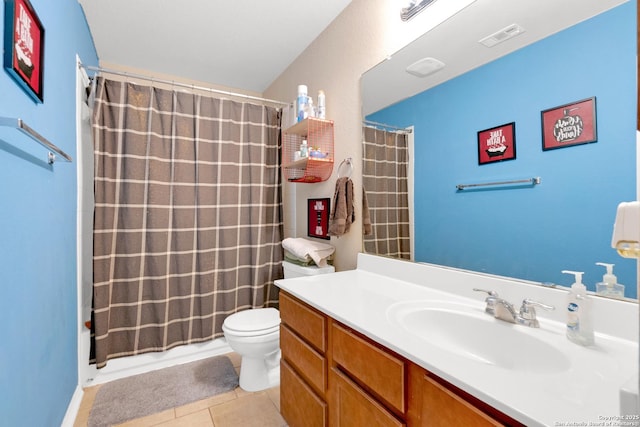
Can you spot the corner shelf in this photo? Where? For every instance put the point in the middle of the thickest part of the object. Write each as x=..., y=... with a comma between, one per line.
x=319, y=136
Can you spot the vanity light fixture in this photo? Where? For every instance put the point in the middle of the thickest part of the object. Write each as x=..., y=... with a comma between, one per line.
x=413, y=8
x=425, y=67
x=502, y=35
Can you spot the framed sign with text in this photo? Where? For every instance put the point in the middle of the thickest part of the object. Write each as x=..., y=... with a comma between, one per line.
x=570, y=124
x=24, y=46
x=497, y=144
x=318, y=218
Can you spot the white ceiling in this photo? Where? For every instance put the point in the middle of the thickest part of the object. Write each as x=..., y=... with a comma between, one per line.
x=243, y=44
x=456, y=43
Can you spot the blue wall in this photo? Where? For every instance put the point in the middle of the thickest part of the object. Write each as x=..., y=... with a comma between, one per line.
x=38, y=308
x=564, y=223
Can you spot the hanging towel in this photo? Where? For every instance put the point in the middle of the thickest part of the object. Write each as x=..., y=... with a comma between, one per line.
x=305, y=249
x=342, y=214
x=366, y=218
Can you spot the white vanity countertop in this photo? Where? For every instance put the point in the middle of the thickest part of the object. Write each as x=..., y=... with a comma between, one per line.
x=587, y=391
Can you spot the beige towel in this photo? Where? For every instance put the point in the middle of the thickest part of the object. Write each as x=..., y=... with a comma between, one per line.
x=366, y=218
x=342, y=215
x=304, y=249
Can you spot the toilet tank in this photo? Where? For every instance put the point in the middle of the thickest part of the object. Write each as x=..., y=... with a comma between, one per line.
x=293, y=270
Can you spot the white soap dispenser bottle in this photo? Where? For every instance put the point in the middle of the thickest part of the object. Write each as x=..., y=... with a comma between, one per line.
x=609, y=287
x=579, y=326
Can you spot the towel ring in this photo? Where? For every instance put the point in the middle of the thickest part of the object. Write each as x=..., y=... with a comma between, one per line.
x=349, y=164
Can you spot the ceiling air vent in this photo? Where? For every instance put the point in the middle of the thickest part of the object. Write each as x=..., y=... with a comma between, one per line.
x=424, y=67
x=502, y=35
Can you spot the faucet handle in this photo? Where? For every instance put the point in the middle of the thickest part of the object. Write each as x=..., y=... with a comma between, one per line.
x=528, y=311
x=491, y=293
x=490, y=300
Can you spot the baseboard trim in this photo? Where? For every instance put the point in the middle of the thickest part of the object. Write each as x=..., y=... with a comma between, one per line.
x=73, y=408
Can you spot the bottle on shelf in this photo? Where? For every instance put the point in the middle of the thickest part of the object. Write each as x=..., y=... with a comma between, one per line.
x=303, y=102
x=304, y=149
x=321, y=105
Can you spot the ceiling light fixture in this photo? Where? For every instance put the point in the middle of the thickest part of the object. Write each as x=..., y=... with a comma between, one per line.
x=413, y=8
x=504, y=34
x=425, y=67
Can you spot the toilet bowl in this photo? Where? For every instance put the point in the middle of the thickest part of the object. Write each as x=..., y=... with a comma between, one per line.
x=255, y=335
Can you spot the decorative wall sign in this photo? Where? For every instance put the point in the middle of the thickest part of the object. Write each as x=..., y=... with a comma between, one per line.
x=24, y=46
x=497, y=144
x=318, y=218
x=570, y=124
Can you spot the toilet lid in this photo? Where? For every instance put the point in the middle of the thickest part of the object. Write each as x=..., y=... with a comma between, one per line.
x=258, y=320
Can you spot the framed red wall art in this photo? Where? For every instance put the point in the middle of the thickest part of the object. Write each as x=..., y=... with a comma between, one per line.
x=24, y=46
x=497, y=144
x=318, y=218
x=570, y=124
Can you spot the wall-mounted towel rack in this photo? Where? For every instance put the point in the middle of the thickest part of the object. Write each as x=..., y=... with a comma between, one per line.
x=349, y=164
x=24, y=128
x=533, y=181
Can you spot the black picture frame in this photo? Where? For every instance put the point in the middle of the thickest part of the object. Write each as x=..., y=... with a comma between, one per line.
x=24, y=47
x=497, y=144
x=318, y=211
x=562, y=129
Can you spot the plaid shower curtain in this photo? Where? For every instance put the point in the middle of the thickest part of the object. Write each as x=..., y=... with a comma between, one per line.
x=386, y=186
x=188, y=222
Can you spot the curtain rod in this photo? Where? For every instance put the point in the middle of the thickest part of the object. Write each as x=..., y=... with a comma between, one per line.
x=174, y=83
x=369, y=122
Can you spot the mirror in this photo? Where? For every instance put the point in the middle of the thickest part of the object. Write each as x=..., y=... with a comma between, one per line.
x=562, y=53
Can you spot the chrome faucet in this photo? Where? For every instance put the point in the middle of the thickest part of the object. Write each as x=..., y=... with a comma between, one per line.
x=504, y=310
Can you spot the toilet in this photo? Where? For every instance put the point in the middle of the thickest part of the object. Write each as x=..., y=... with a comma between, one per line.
x=255, y=335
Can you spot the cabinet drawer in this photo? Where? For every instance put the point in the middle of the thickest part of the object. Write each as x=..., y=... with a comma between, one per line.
x=309, y=323
x=299, y=405
x=308, y=362
x=378, y=370
x=352, y=406
x=442, y=407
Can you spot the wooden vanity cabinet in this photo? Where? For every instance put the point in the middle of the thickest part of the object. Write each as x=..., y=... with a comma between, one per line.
x=332, y=375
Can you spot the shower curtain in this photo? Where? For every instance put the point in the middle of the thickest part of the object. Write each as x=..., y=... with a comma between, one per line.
x=187, y=223
x=386, y=187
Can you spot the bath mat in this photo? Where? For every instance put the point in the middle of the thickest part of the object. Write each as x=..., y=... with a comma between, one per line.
x=145, y=394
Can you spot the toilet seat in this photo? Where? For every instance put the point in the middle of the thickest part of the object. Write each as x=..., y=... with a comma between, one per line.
x=254, y=322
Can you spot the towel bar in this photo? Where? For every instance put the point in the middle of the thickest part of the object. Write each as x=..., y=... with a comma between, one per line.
x=24, y=128
x=533, y=181
x=349, y=164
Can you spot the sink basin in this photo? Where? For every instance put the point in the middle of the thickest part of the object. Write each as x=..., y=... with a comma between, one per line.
x=469, y=332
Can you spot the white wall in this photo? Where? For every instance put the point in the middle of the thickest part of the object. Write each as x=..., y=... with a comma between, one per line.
x=364, y=34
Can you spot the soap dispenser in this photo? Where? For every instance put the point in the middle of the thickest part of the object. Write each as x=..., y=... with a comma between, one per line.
x=609, y=287
x=579, y=327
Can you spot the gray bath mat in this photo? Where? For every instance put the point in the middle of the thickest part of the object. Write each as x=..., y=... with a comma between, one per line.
x=152, y=392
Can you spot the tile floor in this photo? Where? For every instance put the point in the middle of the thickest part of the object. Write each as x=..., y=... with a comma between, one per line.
x=237, y=408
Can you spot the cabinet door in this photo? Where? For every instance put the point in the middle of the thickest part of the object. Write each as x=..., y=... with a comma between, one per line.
x=308, y=363
x=299, y=405
x=378, y=370
x=309, y=323
x=351, y=406
x=443, y=408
